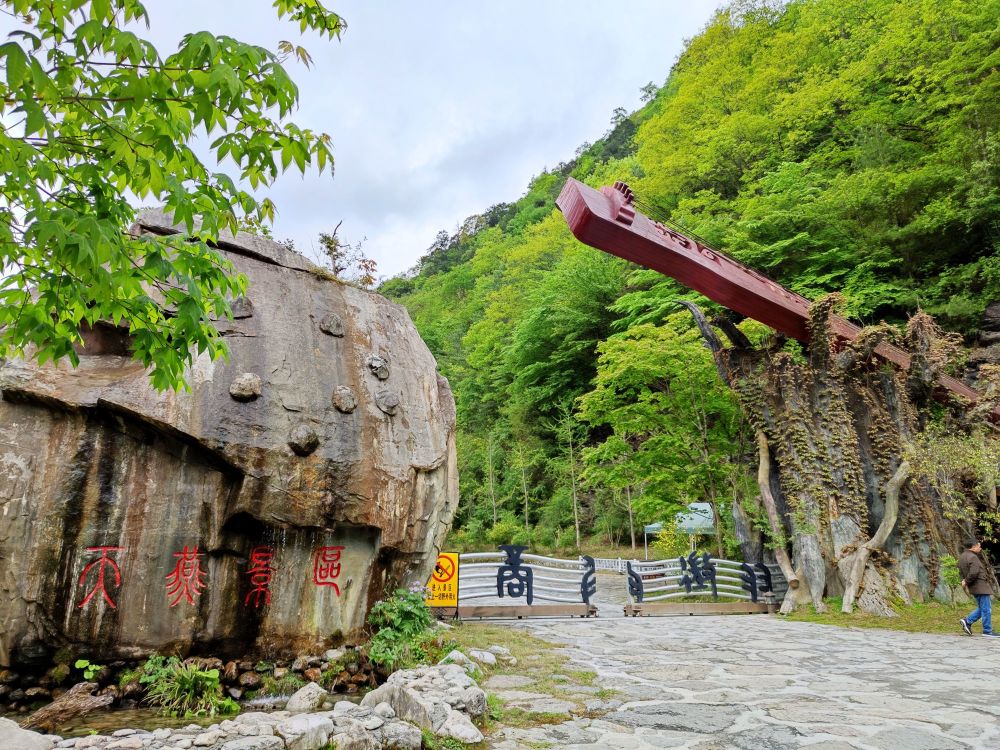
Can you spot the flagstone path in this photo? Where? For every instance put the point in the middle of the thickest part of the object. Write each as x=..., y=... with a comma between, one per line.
x=757, y=682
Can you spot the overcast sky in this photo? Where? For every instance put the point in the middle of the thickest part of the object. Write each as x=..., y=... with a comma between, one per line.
x=438, y=109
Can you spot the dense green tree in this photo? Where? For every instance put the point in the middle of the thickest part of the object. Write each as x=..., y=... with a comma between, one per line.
x=676, y=431
x=94, y=119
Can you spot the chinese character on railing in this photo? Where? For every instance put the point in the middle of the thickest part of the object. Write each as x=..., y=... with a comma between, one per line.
x=635, y=585
x=748, y=579
x=187, y=579
x=326, y=567
x=514, y=574
x=260, y=572
x=697, y=572
x=99, y=585
x=765, y=584
x=588, y=582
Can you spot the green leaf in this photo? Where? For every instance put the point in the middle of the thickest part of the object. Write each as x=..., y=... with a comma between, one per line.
x=34, y=118
x=100, y=10
x=116, y=123
x=16, y=63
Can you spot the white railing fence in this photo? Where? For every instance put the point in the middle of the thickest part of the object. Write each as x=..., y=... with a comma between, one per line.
x=513, y=573
x=697, y=575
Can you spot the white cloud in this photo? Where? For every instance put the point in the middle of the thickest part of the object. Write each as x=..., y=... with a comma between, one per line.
x=440, y=108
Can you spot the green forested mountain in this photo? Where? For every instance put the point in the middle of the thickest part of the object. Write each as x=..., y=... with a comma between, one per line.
x=848, y=145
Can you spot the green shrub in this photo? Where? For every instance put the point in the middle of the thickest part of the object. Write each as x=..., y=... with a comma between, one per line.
x=504, y=531
x=401, y=623
x=522, y=537
x=949, y=571
x=566, y=538
x=544, y=536
x=157, y=668
x=473, y=531
x=670, y=544
x=184, y=690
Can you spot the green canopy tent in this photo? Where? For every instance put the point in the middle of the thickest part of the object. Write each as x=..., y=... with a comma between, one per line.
x=695, y=521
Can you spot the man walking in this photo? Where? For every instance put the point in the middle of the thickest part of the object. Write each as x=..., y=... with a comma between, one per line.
x=975, y=580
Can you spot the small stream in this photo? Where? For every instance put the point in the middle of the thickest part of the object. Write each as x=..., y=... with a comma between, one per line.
x=106, y=722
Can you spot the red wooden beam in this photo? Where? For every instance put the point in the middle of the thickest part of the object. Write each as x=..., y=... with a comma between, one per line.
x=606, y=220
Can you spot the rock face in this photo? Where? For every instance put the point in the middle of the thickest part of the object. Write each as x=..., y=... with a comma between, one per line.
x=987, y=349
x=218, y=518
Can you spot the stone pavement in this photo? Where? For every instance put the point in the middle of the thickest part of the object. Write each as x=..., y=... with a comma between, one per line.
x=758, y=682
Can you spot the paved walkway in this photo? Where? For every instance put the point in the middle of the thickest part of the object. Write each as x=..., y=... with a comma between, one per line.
x=755, y=682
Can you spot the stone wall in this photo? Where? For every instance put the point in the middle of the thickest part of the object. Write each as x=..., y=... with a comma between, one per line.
x=264, y=509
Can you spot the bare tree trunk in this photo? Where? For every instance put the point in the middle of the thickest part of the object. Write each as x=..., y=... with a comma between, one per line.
x=712, y=494
x=493, y=492
x=524, y=488
x=777, y=528
x=572, y=480
x=717, y=525
x=522, y=464
x=631, y=519
x=852, y=566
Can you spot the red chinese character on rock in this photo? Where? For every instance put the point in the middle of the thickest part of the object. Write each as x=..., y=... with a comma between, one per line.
x=186, y=581
x=326, y=567
x=101, y=562
x=260, y=572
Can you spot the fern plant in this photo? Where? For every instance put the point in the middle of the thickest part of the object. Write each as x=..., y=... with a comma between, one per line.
x=184, y=690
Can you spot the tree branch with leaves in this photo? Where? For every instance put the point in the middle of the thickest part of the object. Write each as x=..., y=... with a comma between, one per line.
x=93, y=119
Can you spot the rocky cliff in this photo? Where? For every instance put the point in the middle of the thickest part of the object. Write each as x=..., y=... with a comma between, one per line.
x=265, y=509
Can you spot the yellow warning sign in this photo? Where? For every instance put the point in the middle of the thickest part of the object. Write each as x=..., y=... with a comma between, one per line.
x=443, y=583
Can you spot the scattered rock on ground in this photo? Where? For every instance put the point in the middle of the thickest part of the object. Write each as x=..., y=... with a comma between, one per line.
x=456, y=657
x=307, y=698
x=484, y=657
x=442, y=699
x=458, y=726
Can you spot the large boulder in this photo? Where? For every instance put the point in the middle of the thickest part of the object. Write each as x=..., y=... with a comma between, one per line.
x=270, y=503
x=12, y=736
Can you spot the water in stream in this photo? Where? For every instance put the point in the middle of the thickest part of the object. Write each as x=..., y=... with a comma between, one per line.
x=106, y=722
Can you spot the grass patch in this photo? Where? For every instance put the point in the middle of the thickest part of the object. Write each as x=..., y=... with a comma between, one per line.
x=431, y=741
x=929, y=617
x=581, y=677
x=545, y=663
x=521, y=719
